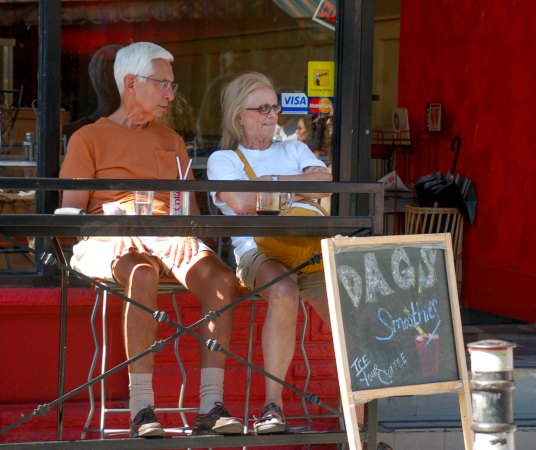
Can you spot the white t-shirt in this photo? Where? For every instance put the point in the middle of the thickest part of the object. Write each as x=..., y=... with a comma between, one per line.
x=282, y=158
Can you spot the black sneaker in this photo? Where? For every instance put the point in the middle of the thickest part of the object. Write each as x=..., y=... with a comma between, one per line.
x=218, y=420
x=145, y=424
x=272, y=420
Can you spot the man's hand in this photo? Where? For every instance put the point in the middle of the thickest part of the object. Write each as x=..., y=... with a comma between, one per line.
x=182, y=250
x=126, y=244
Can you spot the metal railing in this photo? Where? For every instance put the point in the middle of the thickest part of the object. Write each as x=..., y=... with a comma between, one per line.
x=201, y=226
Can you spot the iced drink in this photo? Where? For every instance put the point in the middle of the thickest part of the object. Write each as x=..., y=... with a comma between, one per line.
x=428, y=350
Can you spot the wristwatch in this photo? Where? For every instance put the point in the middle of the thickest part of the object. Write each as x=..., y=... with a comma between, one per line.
x=274, y=177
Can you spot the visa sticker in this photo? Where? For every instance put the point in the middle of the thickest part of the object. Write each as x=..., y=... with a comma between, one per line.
x=294, y=103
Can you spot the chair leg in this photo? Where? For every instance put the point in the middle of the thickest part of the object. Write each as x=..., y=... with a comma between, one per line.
x=180, y=364
x=309, y=422
x=93, y=364
x=103, y=364
x=250, y=360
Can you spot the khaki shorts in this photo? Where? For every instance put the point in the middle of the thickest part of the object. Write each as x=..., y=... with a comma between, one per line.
x=312, y=285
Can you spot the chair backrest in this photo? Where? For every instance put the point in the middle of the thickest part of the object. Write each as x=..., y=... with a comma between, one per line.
x=421, y=220
x=10, y=101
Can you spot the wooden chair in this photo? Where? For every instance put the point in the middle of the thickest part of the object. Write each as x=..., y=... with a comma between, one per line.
x=421, y=220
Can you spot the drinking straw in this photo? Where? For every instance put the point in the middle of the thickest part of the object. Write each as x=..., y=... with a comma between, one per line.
x=188, y=168
x=179, y=167
x=417, y=327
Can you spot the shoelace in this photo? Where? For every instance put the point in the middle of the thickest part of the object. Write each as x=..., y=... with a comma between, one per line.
x=220, y=410
x=148, y=415
x=268, y=413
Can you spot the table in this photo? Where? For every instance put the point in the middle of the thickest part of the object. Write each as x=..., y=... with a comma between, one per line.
x=200, y=226
x=7, y=167
x=19, y=202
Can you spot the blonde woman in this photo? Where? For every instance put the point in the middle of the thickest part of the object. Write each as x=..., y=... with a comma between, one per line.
x=250, y=112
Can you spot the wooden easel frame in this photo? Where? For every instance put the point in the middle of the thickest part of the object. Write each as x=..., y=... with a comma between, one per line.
x=350, y=399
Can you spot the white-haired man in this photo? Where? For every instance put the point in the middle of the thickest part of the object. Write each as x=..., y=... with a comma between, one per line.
x=130, y=144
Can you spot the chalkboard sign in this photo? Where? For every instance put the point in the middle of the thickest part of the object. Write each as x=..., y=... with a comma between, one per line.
x=395, y=317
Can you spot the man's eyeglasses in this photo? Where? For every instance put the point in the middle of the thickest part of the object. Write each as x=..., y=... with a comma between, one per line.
x=265, y=109
x=164, y=84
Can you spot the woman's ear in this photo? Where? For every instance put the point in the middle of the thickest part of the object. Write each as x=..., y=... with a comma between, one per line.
x=239, y=121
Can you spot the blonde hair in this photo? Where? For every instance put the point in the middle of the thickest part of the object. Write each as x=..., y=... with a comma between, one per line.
x=179, y=116
x=233, y=98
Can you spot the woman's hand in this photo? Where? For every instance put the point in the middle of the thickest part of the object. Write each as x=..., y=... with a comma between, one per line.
x=242, y=203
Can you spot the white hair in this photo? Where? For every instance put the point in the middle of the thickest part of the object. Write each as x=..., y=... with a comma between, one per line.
x=137, y=59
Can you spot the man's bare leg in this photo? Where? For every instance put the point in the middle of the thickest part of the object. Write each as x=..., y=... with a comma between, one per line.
x=139, y=276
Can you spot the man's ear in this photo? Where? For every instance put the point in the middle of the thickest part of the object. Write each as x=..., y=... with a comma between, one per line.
x=130, y=81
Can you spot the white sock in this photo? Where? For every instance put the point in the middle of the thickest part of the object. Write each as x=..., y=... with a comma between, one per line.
x=141, y=392
x=210, y=389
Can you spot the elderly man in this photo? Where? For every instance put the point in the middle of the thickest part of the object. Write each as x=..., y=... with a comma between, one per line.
x=129, y=143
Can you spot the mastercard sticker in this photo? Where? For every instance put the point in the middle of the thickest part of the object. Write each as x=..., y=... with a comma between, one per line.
x=319, y=105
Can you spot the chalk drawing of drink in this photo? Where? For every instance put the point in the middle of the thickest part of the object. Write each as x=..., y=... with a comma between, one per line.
x=428, y=350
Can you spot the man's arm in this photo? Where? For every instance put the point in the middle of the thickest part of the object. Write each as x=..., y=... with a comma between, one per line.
x=75, y=199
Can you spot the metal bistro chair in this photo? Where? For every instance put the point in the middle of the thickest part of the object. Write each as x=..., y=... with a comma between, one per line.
x=101, y=349
x=249, y=375
x=306, y=418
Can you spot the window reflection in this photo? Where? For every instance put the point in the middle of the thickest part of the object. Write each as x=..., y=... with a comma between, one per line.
x=212, y=41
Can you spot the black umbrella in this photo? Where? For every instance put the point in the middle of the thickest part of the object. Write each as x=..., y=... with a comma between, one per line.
x=449, y=190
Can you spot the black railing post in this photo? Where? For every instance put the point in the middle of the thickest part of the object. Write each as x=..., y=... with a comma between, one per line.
x=48, y=137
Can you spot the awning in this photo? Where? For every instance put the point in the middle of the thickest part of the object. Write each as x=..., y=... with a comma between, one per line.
x=321, y=11
x=298, y=9
x=77, y=12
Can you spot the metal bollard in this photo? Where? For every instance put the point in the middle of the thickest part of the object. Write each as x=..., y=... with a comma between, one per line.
x=492, y=385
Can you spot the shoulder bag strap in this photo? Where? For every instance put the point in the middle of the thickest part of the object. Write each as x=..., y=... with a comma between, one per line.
x=247, y=167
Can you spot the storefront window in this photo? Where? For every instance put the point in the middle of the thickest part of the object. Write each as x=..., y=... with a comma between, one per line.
x=18, y=119
x=291, y=41
x=18, y=87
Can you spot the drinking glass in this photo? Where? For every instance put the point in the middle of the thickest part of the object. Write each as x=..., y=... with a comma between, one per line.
x=144, y=202
x=270, y=203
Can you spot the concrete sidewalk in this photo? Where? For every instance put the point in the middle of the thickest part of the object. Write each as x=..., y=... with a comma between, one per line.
x=447, y=439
